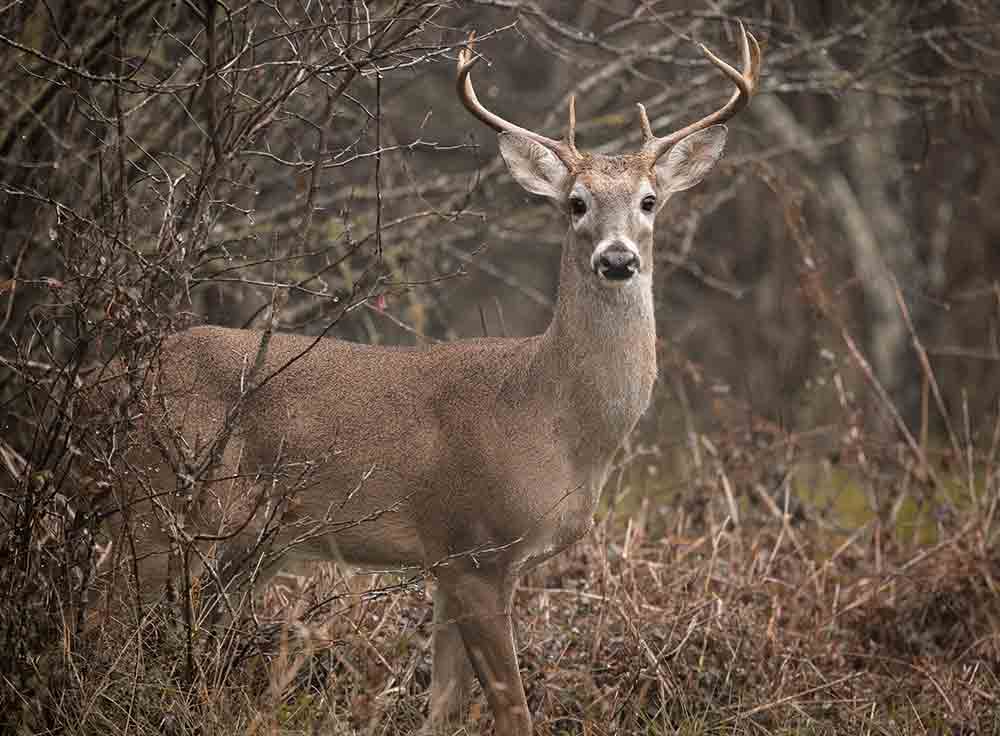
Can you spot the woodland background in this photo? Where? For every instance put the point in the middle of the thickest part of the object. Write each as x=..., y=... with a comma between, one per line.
x=802, y=537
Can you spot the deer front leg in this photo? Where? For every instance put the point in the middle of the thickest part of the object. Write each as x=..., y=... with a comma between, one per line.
x=451, y=673
x=482, y=598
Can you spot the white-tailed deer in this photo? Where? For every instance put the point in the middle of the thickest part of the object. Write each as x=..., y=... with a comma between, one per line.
x=474, y=460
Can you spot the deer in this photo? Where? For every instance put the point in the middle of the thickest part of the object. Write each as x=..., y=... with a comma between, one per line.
x=475, y=460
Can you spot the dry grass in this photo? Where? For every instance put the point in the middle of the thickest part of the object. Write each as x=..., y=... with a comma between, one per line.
x=663, y=621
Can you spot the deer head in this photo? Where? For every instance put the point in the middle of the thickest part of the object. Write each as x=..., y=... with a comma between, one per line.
x=612, y=201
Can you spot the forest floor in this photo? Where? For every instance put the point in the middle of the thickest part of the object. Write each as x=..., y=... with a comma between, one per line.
x=667, y=619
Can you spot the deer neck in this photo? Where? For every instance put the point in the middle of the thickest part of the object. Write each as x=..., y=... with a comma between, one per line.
x=600, y=349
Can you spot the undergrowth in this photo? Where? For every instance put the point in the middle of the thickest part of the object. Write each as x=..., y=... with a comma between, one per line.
x=660, y=622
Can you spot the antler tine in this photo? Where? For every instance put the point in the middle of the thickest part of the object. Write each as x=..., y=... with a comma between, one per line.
x=571, y=128
x=647, y=129
x=564, y=149
x=746, y=86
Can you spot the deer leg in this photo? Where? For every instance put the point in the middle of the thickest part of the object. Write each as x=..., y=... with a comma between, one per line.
x=483, y=600
x=451, y=674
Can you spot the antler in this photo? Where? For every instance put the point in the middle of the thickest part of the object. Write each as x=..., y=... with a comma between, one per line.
x=564, y=149
x=746, y=84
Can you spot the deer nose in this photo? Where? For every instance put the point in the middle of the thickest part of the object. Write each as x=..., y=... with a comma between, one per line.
x=616, y=262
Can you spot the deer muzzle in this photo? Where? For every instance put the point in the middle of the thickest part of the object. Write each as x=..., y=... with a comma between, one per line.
x=615, y=261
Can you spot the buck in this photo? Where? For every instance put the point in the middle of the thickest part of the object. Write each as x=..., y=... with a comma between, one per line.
x=474, y=460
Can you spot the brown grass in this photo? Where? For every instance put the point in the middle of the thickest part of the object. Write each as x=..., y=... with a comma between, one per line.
x=663, y=621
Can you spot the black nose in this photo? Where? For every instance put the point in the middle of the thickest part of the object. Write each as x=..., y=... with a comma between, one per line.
x=617, y=263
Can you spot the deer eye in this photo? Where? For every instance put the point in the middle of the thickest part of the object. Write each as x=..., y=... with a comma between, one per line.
x=648, y=203
x=577, y=206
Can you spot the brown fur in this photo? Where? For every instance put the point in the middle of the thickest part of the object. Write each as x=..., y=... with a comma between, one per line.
x=473, y=460
x=430, y=456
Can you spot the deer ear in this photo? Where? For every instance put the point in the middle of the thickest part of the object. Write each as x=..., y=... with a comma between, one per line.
x=689, y=160
x=533, y=166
